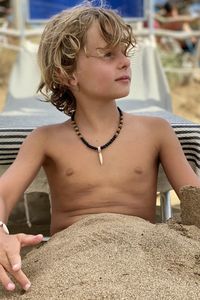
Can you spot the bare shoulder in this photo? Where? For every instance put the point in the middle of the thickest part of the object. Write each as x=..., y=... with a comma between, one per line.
x=154, y=130
x=44, y=133
x=41, y=139
x=149, y=123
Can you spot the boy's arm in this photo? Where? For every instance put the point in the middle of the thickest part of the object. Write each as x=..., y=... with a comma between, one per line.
x=173, y=160
x=13, y=183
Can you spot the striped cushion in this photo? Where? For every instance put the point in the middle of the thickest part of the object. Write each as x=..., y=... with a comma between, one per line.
x=188, y=135
x=10, y=141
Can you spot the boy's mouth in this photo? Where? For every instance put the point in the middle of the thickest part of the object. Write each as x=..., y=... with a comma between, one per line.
x=123, y=78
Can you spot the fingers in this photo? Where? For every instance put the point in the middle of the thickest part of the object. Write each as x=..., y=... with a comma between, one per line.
x=10, y=259
x=5, y=280
x=18, y=275
x=29, y=240
x=13, y=254
x=21, y=279
x=15, y=261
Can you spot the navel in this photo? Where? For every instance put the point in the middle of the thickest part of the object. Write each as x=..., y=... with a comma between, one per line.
x=69, y=172
x=138, y=171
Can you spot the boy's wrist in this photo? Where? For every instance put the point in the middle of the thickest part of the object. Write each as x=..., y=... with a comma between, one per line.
x=3, y=227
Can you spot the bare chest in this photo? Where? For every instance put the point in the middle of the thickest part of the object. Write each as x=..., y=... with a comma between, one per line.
x=75, y=165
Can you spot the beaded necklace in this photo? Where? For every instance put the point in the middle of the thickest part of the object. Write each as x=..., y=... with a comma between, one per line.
x=100, y=148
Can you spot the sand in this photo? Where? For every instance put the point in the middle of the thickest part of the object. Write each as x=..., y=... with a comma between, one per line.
x=190, y=205
x=113, y=256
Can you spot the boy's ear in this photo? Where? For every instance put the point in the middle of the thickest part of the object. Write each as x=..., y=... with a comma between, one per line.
x=73, y=81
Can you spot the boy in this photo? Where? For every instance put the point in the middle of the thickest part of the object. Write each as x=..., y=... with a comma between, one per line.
x=102, y=160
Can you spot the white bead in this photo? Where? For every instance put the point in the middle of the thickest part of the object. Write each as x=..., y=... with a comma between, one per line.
x=5, y=228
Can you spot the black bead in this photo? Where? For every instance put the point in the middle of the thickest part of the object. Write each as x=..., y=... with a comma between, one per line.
x=105, y=145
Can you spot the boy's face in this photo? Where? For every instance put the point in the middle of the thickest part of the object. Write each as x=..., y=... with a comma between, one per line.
x=101, y=73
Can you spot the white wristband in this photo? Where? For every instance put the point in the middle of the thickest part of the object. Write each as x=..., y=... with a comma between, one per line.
x=4, y=227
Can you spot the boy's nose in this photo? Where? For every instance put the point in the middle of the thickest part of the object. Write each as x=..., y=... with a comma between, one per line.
x=124, y=62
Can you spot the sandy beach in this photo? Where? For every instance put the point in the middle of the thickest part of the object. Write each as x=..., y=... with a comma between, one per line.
x=113, y=256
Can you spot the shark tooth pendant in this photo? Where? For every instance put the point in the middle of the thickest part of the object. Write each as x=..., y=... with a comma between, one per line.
x=100, y=156
x=100, y=148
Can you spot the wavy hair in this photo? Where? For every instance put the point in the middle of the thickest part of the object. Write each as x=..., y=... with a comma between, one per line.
x=62, y=39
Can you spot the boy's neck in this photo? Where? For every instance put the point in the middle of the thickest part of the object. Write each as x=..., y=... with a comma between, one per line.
x=97, y=117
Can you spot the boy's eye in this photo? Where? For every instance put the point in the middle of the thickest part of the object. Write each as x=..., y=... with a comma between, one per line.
x=108, y=54
x=105, y=54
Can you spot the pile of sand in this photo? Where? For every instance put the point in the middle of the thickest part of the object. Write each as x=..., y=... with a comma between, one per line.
x=190, y=205
x=112, y=256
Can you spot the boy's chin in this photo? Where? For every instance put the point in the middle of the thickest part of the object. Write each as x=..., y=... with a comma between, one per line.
x=121, y=96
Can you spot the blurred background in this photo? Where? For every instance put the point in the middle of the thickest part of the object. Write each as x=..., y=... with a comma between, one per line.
x=180, y=56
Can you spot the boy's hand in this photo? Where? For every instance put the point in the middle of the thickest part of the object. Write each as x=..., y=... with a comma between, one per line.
x=10, y=259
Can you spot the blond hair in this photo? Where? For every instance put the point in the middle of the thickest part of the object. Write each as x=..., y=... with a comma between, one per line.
x=63, y=37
